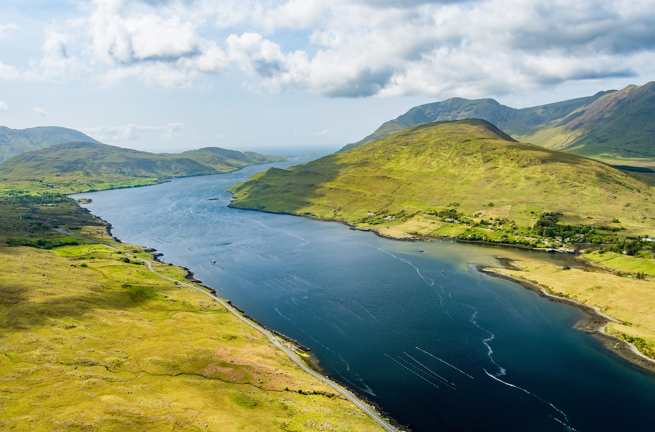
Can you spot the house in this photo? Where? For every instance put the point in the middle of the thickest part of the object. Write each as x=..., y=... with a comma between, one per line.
x=558, y=238
x=579, y=235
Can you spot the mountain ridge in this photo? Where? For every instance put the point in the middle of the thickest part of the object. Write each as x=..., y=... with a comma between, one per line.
x=464, y=165
x=85, y=165
x=16, y=141
x=610, y=124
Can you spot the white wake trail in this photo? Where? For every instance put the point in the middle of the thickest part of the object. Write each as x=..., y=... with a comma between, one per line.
x=445, y=362
x=531, y=394
x=402, y=365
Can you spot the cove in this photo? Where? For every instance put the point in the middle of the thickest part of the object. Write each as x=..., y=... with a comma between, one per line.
x=437, y=345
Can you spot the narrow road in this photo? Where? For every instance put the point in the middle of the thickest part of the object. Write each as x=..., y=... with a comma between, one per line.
x=371, y=413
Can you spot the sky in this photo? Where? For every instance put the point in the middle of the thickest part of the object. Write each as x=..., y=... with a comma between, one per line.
x=300, y=75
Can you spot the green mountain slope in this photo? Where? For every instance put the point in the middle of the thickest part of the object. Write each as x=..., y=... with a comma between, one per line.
x=83, y=166
x=618, y=124
x=17, y=141
x=610, y=125
x=469, y=165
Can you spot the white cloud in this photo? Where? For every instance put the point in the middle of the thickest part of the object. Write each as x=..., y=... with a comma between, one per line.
x=40, y=111
x=3, y=107
x=173, y=128
x=133, y=132
x=351, y=48
x=6, y=29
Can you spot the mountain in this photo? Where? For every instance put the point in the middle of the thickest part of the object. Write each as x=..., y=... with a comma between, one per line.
x=17, y=141
x=612, y=124
x=85, y=165
x=469, y=164
x=618, y=124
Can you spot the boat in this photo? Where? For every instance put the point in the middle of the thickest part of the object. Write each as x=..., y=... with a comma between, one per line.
x=213, y=261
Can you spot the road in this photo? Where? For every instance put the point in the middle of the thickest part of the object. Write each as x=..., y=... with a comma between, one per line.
x=276, y=341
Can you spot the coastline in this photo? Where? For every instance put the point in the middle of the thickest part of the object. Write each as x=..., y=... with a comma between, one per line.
x=307, y=355
x=596, y=321
x=594, y=324
x=421, y=237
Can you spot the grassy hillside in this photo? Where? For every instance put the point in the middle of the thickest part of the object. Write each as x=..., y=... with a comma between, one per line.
x=616, y=125
x=514, y=121
x=91, y=340
x=450, y=177
x=78, y=166
x=17, y=141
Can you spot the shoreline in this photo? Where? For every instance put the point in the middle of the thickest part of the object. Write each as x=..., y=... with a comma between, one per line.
x=425, y=237
x=311, y=361
x=593, y=324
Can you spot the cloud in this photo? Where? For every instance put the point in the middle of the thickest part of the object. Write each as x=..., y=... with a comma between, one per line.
x=40, y=111
x=3, y=107
x=350, y=48
x=172, y=129
x=5, y=29
x=133, y=132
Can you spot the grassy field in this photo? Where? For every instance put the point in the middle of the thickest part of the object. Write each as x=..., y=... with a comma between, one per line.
x=467, y=166
x=621, y=296
x=91, y=340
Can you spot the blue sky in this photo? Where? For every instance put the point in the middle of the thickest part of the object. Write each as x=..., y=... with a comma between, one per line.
x=163, y=75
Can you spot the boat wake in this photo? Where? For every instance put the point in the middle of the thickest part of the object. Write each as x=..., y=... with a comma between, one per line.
x=531, y=394
x=445, y=362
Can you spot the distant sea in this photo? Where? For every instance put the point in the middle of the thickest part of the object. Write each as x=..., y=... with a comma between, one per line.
x=437, y=345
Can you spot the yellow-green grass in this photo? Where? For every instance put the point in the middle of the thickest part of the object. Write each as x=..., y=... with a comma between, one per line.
x=89, y=342
x=625, y=263
x=628, y=300
x=468, y=162
x=73, y=183
x=84, y=166
x=92, y=340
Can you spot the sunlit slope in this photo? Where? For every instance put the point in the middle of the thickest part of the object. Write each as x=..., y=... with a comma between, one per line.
x=91, y=340
x=516, y=122
x=438, y=165
x=17, y=141
x=616, y=125
x=86, y=166
x=609, y=125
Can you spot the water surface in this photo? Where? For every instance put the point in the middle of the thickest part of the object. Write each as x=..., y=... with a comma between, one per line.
x=437, y=345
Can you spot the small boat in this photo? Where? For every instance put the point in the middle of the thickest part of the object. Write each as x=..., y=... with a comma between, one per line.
x=421, y=250
x=443, y=271
x=213, y=261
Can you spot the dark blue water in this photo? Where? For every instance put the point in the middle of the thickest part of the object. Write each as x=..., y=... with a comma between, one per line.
x=437, y=345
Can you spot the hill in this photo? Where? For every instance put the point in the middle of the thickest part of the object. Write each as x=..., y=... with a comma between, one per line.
x=610, y=125
x=77, y=166
x=17, y=141
x=431, y=177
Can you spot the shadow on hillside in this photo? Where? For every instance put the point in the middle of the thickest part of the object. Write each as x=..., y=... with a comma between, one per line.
x=22, y=308
x=290, y=190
